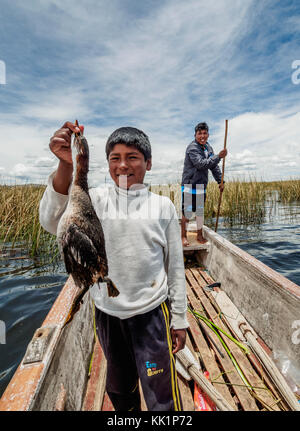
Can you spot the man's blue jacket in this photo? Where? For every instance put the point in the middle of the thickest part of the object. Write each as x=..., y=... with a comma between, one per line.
x=198, y=159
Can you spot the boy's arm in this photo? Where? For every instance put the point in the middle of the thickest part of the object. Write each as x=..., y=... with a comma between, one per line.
x=60, y=145
x=52, y=206
x=55, y=198
x=176, y=281
x=63, y=178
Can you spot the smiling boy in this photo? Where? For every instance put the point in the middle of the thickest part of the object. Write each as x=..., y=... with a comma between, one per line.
x=142, y=328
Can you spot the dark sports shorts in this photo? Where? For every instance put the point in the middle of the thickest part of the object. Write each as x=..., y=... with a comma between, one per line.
x=139, y=347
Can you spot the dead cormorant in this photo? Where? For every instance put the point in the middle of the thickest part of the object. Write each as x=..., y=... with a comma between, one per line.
x=80, y=235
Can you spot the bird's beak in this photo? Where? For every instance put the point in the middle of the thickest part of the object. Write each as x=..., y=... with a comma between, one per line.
x=77, y=140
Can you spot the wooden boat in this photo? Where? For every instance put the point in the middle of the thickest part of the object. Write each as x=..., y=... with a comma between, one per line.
x=57, y=372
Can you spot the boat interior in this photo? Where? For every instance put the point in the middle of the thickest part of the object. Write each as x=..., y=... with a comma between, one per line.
x=251, y=390
x=64, y=367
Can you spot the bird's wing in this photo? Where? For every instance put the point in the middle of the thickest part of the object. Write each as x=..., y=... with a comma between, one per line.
x=94, y=230
x=78, y=249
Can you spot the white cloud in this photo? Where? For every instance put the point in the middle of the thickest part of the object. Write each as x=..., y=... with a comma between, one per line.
x=162, y=70
x=266, y=143
x=261, y=144
x=19, y=170
x=43, y=162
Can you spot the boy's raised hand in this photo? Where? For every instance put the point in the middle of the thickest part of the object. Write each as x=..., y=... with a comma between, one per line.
x=178, y=339
x=60, y=143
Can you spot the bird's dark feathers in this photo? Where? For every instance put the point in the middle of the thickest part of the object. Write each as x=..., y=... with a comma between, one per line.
x=82, y=259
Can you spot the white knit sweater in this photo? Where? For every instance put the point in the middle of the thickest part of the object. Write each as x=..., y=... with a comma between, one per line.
x=143, y=247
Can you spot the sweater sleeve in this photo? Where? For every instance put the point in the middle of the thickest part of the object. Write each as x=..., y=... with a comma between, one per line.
x=52, y=207
x=176, y=274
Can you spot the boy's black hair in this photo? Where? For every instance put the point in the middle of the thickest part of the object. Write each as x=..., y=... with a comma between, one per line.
x=201, y=126
x=131, y=137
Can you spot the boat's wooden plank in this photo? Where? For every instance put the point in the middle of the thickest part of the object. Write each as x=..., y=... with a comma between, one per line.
x=96, y=398
x=206, y=354
x=184, y=387
x=89, y=398
x=100, y=389
x=96, y=385
x=61, y=307
x=194, y=244
x=264, y=394
x=245, y=398
x=259, y=377
x=26, y=381
x=107, y=404
x=61, y=399
x=186, y=394
x=143, y=402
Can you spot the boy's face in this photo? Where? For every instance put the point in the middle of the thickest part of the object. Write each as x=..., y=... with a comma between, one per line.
x=202, y=136
x=127, y=165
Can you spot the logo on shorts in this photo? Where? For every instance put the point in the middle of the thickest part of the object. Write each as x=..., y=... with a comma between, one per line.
x=152, y=369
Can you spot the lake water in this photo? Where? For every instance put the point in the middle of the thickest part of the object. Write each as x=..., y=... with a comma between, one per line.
x=28, y=288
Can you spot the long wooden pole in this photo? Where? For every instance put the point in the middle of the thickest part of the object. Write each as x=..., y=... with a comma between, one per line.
x=204, y=384
x=222, y=178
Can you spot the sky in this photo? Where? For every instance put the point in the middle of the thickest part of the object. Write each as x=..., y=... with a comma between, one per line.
x=159, y=65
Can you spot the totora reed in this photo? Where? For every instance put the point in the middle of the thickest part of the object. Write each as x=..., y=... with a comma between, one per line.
x=243, y=203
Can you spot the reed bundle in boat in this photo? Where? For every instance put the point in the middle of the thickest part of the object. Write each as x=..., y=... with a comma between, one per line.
x=204, y=384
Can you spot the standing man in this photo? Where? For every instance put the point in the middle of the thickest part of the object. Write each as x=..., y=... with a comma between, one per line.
x=199, y=157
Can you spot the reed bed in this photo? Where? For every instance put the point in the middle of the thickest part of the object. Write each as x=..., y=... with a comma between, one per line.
x=19, y=220
x=243, y=202
x=288, y=191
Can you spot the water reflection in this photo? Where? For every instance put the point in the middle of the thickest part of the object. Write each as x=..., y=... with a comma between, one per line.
x=275, y=241
x=28, y=289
